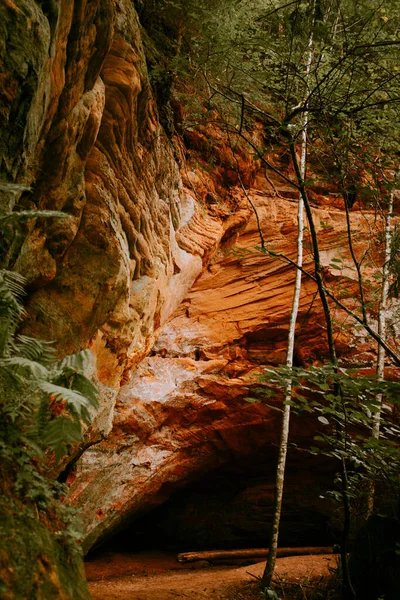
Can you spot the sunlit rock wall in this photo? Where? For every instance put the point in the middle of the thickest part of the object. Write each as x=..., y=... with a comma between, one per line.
x=136, y=262
x=80, y=127
x=183, y=412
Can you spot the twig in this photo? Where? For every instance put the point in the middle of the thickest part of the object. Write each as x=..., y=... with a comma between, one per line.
x=250, y=201
x=245, y=191
x=329, y=294
x=255, y=576
x=271, y=183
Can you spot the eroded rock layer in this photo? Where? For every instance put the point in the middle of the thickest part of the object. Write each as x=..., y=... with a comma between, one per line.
x=88, y=141
x=154, y=269
x=183, y=412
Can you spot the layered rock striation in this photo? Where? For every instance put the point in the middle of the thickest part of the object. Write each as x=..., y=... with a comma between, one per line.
x=80, y=127
x=183, y=413
x=154, y=267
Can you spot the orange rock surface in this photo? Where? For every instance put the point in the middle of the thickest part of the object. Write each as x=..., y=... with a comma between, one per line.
x=183, y=411
x=156, y=269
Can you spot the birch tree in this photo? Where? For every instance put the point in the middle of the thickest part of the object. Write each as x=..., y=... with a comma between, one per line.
x=255, y=71
x=380, y=365
x=283, y=445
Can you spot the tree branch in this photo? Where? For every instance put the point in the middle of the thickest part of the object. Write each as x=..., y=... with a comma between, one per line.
x=332, y=297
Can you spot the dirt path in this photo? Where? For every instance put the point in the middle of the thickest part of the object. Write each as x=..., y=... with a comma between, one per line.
x=157, y=576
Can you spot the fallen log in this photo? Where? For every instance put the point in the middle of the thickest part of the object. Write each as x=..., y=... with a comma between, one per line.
x=218, y=556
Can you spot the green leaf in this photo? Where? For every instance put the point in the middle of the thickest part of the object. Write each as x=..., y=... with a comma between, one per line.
x=84, y=386
x=80, y=361
x=61, y=431
x=323, y=420
x=33, y=349
x=24, y=366
x=71, y=397
x=324, y=386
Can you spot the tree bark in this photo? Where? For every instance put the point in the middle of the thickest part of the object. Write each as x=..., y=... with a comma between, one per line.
x=214, y=556
x=281, y=465
x=380, y=364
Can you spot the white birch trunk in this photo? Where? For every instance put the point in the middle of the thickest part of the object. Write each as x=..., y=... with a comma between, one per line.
x=380, y=365
x=281, y=464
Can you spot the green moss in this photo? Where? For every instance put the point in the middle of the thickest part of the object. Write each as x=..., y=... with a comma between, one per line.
x=36, y=563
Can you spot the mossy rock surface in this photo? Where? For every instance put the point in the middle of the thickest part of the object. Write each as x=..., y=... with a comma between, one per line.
x=35, y=563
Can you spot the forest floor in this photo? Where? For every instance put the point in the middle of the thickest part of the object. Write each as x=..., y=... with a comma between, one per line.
x=157, y=576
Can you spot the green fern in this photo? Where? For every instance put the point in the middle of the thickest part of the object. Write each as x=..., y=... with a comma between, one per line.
x=35, y=387
x=71, y=397
x=81, y=361
x=37, y=350
x=81, y=384
x=24, y=368
x=61, y=433
x=33, y=423
x=11, y=309
x=16, y=218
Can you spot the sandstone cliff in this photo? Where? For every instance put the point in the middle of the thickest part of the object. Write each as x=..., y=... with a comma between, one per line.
x=155, y=271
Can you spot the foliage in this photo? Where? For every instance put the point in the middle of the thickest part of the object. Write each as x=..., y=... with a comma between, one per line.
x=246, y=60
x=15, y=219
x=45, y=398
x=344, y=403
x=44, y=403
x=251, y=58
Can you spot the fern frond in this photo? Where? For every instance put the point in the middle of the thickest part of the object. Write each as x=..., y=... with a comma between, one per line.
x=25, y=367
x=28, y=365
x=11, y=308
x=14, y=219
x=11, y=294
x=14, y=282
x=33, y=349
x=86, y=416
x=29, y=441
x=80, y=361
x=13, y=188
x=73, y=399
x=80, y=383
x=60, y=433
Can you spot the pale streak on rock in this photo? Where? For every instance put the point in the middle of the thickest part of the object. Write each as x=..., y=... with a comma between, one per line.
x=132, y=254
x=183, y=407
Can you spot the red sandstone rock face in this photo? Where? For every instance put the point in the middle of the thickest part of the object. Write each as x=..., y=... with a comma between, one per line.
x=137, y=260
x=183, y=412
x=87, y=137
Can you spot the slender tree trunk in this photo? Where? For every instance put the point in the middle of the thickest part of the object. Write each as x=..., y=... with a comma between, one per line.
x=281, y=464
x=349, y=593
x=380, y=365
x=348, y=590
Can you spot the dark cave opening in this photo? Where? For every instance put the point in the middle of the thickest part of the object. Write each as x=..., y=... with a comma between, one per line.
x=231, y=508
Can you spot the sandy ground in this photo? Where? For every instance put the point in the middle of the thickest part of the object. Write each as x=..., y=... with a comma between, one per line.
x=157, y=576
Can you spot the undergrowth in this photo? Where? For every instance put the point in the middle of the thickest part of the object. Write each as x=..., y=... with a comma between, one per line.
x=306, y=589
x=44, y=404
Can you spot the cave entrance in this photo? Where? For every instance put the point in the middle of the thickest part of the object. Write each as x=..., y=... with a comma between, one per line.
x=231, y=508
